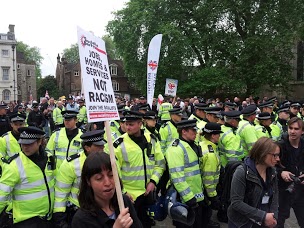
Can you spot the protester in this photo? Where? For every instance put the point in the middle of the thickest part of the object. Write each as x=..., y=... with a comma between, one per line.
x=97, y=197
x=254, y=190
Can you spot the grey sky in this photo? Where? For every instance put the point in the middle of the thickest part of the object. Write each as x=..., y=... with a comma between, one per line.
x=52, y=25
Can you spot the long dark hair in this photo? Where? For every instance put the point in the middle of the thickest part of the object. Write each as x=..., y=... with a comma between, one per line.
x=95, y=163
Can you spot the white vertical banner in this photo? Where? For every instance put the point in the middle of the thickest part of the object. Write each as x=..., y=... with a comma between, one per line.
x=96, y=78
x=152, y=65
x=171, y=87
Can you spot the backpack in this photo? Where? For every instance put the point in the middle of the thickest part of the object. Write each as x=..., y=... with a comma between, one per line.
x=224, y=188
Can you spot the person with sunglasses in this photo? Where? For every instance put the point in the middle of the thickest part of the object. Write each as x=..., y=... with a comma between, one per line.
x=254, y=189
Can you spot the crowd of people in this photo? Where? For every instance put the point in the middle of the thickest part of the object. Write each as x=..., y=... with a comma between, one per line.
x=56, y=171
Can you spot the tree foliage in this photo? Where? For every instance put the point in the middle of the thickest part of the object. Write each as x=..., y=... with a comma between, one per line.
x=31, y=54
x=215, y=45
x=48, y=83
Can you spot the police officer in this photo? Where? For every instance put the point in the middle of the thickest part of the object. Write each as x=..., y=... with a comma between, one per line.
x=9, y=145
x=229, y=145
x=150, y=123
x=183, y=162
x=168, y=131
x=4, y=122
x=268, y=107
x=211, y=116
x=114, y=124
x=57, y=116
x=246, y=128
x=142, y=163
x=143, y=108
x=71, y=105
x=210, y=166
x=263, y=128
x=283, y=117
x=29, y=177
x=36, y=117
x=163, y=112
x=229, y=106
x=82, y=115
x=66, y=141
x=68, y=178
x=199, y=112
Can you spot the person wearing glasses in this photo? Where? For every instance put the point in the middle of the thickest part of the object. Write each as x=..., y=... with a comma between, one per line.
x=254, y=189
x=291, y=174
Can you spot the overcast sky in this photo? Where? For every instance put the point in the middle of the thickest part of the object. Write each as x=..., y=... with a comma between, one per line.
x=52, y=25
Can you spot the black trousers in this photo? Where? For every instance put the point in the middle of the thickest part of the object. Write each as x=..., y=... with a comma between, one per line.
x=293, y=200
x=202, y=217
x=35, y=222
x=141, y=210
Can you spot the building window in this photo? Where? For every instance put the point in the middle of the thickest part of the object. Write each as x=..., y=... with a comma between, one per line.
x=113, y=70
x=3, y=37
x=19, y=92
x=18, y=66
x=76, y=73
x=5, y=73
x=28, y=73
x=30, y=88
x=5, y=53
x=115, y=86
x=6, y=95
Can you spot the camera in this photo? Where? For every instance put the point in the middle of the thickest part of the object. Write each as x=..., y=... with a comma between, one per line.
x=295, y=180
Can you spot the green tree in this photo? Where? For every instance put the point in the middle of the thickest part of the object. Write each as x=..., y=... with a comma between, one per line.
x=48, y=83
x=219, y=45
x=31, y=55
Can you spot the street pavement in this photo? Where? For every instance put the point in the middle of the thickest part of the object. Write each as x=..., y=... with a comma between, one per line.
x=290, y=223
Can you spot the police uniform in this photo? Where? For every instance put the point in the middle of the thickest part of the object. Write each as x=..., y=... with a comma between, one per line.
x=185, y=174
x=168, y=131
x=114, y=124
x=282, y=123
x=82, y=115
x=296, y=105
x=230, y=105
x=229, y=145
x=115, y=134
x=4, y=122
x=9, y=145
x=246, y=129
x=210, y=165
x=261, y=130
x=141, y=163
x=36, y=118
x=30, y=180
x=163, y=112
x=151, y=115
x=57, y=117
x=198, y=106
x=68, y=180
x=269, y=104
x=65, y=142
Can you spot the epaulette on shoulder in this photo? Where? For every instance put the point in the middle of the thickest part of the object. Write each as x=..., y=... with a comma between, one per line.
x=164, y=125
x=117, y=142
x=9, y=160
x=176, y=142
x=112, y=124
x=153, y=137
x=73, y=157
x=58, y=129
x=274, y=122
x=210, y=148
x=4, y=134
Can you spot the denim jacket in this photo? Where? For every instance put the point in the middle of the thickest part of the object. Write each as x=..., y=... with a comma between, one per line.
x=244, y=210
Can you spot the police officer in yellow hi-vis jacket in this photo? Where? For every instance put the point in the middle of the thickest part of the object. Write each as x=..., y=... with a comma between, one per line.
x=141, y=164
x=29, y=178
x=210, y=166
x=68, y=178
x=9, y=145
x=66, y=141
x=183, y=162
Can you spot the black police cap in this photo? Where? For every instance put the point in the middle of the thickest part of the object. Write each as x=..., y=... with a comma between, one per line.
x=233, y=114
x=273, y=99
x=295, y=104
x=212, y=128
x=230, y=104
x=17, y=117
x=96, y=137
x=200, y=106
x=249, y=110
x=186, y=124
x=120, y=108
x=144, y=107
x=28, y=135
x=213, y=110
x=68, y=114
x=264, y=116
x=150, y=115
x=283, y=109
x=266, y=104
x=132, y=115
x=176, y=111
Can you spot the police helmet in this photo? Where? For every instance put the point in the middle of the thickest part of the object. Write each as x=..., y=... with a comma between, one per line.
x=158, y=211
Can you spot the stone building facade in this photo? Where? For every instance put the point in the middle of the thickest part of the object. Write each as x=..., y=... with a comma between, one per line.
x=26, y=79
x=68, y=77
x=8, y=82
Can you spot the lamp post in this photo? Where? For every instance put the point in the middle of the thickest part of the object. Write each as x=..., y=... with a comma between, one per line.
x=14, y=71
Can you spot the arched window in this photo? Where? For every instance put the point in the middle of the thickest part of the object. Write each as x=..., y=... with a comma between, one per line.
x=6, y=94
x=113, y=69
